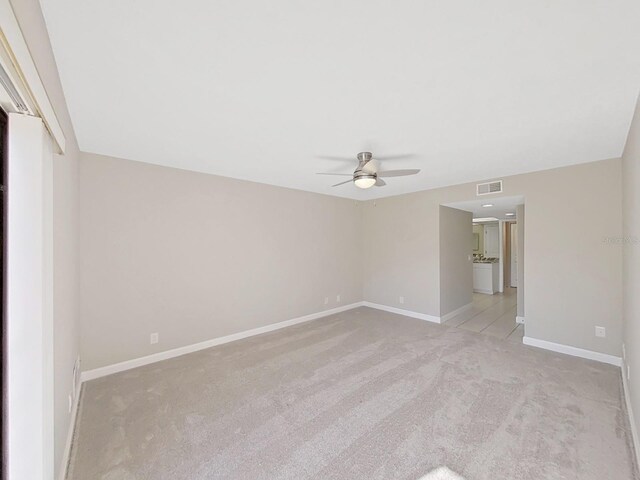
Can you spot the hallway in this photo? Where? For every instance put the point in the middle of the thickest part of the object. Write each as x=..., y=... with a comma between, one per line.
x=493, y=315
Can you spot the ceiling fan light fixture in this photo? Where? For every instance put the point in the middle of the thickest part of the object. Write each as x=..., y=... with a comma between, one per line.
x=366, y=174
x=365, y=181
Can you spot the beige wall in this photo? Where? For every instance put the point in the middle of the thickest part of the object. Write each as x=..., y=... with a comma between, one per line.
x=631, y=248
x=194, y=256
x=401, y=251
x=573, y=279
x=456, y=266
x=65, y=223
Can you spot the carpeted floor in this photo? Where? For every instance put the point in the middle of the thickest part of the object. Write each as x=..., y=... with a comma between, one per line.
x=359, y=395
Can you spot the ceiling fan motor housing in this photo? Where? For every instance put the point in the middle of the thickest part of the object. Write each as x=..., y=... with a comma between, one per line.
x=363, y=159
x=365, y=156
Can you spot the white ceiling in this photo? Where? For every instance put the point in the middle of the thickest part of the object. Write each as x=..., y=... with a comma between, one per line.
x=258, y=90
x=500, y=206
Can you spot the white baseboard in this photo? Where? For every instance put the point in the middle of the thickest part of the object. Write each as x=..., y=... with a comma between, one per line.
x=520, y=320
x=573, y=351
x=485, y=292
x=457, y=311
x=176, y=352
x=406, y=313
x=64, y=464
x=627, y=400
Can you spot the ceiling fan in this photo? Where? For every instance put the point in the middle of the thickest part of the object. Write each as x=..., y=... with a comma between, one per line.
x=366, y=174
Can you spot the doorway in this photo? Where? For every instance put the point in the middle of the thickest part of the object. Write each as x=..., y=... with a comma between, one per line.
x=496, y=230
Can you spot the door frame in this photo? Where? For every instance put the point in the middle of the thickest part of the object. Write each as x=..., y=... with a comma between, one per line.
x=3, y=282
x=513, y=254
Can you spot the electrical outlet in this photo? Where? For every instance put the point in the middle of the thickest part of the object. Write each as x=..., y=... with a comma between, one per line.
x=338, y=299
x=401, y=299
x=326, y=300
x=601, y=332
x=154, y=338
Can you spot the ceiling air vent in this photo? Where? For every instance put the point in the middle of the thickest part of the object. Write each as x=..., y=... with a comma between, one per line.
x=490, y=187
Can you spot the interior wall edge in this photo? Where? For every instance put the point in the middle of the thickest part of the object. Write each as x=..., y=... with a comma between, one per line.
x=66, y=453
x=630, y=244
x=629, y=407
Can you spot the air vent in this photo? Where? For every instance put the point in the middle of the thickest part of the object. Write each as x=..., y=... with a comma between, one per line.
x=490, y=187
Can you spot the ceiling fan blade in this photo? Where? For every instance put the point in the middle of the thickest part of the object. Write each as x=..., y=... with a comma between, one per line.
x=341, y=174
x=400, y=156
x=342, y=183
x=399, y=173
x=380, y=182
x=340, y=159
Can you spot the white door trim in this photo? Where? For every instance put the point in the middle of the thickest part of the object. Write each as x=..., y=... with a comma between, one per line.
x=513, y=254
x=30, y=403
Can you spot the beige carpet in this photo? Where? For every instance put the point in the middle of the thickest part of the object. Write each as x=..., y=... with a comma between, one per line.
x=360, y=395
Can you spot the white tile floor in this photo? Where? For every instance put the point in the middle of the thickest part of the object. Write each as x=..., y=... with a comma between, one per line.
x=493, y=315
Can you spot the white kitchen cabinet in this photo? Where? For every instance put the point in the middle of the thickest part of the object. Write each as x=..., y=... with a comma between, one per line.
x=491, y=241
x=485, y=278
